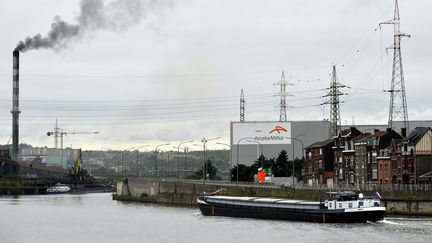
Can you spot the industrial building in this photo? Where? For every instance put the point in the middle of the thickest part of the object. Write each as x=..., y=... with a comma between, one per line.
x=305, y=133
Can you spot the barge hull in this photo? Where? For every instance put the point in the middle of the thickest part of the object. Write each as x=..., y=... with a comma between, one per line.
x=324, y=216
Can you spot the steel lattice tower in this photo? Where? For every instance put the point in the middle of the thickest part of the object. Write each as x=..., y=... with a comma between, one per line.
x=398, y=103
x=283, y=94
x=334, y=102
x=242, y=107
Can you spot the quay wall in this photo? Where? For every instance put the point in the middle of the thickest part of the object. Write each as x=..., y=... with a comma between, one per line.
x=414, y=203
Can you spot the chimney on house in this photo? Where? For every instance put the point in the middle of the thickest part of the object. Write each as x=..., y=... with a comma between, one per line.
x=403, y=132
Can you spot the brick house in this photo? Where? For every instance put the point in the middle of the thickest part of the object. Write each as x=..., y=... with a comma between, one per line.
x=344, y=156
x=319, y=163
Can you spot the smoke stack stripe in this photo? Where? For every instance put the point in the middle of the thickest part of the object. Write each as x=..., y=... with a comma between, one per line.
x=15, y=105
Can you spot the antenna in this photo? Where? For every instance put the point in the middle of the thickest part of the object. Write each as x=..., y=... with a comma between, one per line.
x=283, y=94
x=398, y=103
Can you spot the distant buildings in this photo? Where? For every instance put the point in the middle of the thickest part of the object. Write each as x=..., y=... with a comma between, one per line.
x=50, y=156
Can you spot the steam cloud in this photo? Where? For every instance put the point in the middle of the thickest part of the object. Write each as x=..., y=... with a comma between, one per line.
x=94, y=15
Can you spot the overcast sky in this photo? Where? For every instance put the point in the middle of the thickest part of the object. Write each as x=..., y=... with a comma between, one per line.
x=173, y=71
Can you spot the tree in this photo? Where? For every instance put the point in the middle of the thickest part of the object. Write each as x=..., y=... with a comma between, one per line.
x=299, y=165
x=245, y=173
x=209, y=168
x=281, y=166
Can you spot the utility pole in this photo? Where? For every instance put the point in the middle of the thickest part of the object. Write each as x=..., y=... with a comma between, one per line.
x=56, y=135
x=334, y=103
x=242, y=106
x=204, y=141
x=283, y=94
x=398, y=103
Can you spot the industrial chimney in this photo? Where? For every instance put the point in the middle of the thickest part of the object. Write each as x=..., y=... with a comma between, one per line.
x=15, y=106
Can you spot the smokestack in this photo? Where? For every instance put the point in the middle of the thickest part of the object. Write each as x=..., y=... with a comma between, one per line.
x=15, y=105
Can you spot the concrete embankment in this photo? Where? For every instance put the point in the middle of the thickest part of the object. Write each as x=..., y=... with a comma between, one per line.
x=19, y=187
x=415, y=203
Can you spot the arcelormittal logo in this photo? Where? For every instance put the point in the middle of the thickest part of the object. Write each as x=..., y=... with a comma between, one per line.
x=278, y=129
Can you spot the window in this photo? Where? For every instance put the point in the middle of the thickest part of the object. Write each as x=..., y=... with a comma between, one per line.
x=385, y=167
x=373, y=159
x=340, y=205
x=320, y=151
x=374, y=174
x=360, y=204
x=351, y=178
x=350, y=205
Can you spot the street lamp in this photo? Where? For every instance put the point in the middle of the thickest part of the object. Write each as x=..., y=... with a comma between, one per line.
x=165, y=144
x=123, y=160
x=204, y=141
x=230, y=155
x=260, y=146
x=238, y=143
x=258, y=132
x=296, y=139
x=137, y=153
x=178, y=156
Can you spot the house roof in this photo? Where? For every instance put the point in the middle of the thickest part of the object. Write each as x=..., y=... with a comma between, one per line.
x=350, y=132
x=321, y=143
x=417, y=134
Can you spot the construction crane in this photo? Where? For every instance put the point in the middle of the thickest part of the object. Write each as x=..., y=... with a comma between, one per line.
x=63, y=133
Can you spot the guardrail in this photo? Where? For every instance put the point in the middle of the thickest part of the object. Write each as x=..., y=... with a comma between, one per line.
x=339, y=187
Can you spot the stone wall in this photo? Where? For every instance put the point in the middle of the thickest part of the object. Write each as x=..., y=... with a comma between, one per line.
x=185, y=193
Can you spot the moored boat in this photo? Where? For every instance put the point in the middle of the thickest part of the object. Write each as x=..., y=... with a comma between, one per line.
x=58, y=189
x=345, y=207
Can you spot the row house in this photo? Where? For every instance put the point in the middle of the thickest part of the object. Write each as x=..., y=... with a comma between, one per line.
x=319, y=163
x=373, y=156
x=380, y=158
x=344, y=156
x=390, y=164
x=417, y=156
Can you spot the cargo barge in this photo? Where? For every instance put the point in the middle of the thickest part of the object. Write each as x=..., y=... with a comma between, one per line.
x=342, y=207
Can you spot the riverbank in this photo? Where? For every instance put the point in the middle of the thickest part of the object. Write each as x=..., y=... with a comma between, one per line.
x=412, y=203
x=35, y=187
x=22, y=187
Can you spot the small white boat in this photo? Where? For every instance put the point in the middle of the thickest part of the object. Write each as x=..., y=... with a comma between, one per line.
x=58, y=188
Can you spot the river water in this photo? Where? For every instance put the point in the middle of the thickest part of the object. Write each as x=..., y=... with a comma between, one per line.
x=98, y=218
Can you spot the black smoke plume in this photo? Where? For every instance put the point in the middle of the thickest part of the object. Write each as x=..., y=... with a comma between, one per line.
x=94, y=15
